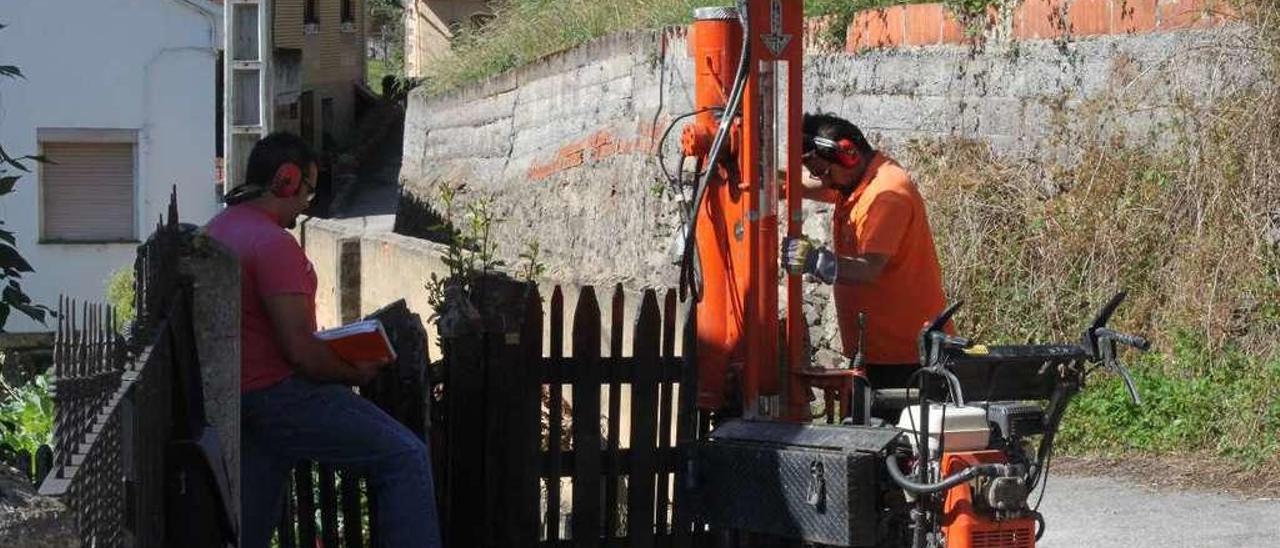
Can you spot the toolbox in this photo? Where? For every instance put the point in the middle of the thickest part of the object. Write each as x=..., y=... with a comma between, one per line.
x=810, y=482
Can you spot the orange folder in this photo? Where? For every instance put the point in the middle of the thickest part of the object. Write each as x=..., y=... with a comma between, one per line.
x=360, y=342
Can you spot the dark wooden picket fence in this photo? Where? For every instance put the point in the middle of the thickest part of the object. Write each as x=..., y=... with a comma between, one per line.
x=532, y=446
x=530, y=457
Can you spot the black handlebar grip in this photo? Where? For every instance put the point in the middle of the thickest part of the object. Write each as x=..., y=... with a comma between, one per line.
x=1136, y=341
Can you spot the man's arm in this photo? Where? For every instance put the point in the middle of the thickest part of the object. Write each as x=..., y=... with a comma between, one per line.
x=291, y=318
x=810, y=189
x=860, y=269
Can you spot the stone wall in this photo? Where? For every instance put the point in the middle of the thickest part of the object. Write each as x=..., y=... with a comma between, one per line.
x=563, y=147
x=215, y=275
x=28, y=520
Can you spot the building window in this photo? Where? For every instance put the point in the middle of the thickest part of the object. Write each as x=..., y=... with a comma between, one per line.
x=309, y=14
x=348, y=11
x=87, y=190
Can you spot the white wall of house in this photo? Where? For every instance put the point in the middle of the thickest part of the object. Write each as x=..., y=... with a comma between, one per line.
x=108, y=69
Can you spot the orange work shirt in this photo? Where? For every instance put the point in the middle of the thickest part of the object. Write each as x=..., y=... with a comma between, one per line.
x=885, y=215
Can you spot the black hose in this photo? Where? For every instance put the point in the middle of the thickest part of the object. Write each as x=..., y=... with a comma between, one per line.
x=951, y=481
x=689, y=262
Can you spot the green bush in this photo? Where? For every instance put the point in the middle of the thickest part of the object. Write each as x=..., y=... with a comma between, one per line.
x=26, y=417
x=1231, y=408
x=120, y=295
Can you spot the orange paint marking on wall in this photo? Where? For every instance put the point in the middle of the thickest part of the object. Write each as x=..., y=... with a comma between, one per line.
x=600, y=145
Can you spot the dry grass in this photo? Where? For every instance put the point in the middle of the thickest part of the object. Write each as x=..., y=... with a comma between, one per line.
x=1190, y=232
x=525, y=30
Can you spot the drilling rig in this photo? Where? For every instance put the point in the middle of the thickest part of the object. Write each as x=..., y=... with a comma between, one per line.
x=952, y=471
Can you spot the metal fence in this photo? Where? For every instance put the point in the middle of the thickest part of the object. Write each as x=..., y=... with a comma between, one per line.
x=111, y=394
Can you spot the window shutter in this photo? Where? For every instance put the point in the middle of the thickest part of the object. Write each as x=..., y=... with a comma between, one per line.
x=88, y=191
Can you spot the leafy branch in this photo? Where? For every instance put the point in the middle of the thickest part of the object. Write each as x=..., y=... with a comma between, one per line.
x=12, y=265
x=472, y=251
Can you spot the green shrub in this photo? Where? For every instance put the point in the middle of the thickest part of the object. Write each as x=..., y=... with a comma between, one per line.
x=1232, y=408
x=26, y=417
x=120, y=295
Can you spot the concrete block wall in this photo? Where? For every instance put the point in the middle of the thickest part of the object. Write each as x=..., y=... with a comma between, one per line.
x=564, y=148
x=392, y=266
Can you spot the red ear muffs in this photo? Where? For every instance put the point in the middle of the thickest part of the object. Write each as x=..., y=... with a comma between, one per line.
x=287, y=181
x=841, y=151
x=846, y=156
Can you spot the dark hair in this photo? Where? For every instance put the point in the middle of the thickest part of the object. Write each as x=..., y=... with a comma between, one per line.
x=836, y=128
x=273, y=151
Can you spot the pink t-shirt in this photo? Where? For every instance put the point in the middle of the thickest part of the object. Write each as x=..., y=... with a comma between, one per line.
x=271, y=263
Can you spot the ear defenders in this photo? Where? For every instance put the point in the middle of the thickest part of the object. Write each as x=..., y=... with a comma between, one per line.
x=841, y=151
x=287, y=181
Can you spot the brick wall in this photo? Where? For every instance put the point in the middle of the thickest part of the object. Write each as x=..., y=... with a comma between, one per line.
x=934, y=24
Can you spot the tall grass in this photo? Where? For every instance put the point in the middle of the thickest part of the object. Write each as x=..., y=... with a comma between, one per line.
x=525, y=30
x=1191, y=233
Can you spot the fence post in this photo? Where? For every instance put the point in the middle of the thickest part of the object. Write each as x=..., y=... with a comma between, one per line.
x=304, y=488
x=462, y=516
x=644, y=427
x=663, y=499
x=555, y=417
x=615, y=371
x=526, y=420
x=686, y=432
x=586, y=421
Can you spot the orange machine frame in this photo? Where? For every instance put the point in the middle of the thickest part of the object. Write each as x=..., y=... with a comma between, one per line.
x=737, y=228
x=963, y=526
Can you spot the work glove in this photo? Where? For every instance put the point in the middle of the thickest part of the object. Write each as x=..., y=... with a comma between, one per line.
x=801, y=256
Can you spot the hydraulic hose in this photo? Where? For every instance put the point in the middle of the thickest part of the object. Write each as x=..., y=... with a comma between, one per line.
x=950, y=481
x=689, y=262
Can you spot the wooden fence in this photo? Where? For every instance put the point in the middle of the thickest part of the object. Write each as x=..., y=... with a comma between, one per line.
x=531, y=456
x=502, y=398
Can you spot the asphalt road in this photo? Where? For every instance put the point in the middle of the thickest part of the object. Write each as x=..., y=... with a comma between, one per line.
x=1093, y=512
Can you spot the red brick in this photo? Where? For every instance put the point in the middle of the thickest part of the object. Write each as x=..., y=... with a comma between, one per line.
x=924, y=24
x=883, y=28
x=1128, y=16
x=1180, y=14
x=857, y=33
x=1089, y=17
x=1038, y=19
x=953, y=31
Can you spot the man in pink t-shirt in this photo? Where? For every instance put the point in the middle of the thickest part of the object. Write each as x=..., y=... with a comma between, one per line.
x=296, y=398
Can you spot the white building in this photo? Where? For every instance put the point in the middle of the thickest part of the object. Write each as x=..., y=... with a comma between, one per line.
x=121, y=94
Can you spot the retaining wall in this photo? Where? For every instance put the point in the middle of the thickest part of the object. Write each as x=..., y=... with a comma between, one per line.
x=564, y=149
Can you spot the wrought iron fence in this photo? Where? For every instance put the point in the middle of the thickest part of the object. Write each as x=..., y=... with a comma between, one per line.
x=112, y=395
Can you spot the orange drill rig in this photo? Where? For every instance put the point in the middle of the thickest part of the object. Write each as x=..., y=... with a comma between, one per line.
x=950, y=472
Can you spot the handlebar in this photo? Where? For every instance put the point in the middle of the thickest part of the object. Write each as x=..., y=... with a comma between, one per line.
x=1136, y=341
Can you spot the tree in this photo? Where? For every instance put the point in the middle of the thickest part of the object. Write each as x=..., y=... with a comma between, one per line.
x=387, y=21
x=12, y=265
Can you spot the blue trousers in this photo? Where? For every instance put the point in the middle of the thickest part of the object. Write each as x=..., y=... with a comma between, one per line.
x=328, y=423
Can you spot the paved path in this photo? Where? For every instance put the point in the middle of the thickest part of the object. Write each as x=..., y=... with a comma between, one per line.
x=1092, y=512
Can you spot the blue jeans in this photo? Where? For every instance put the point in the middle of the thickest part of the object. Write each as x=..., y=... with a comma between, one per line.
x=298, y=419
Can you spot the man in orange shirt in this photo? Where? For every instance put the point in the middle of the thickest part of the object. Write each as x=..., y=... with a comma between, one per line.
x=884, y=264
